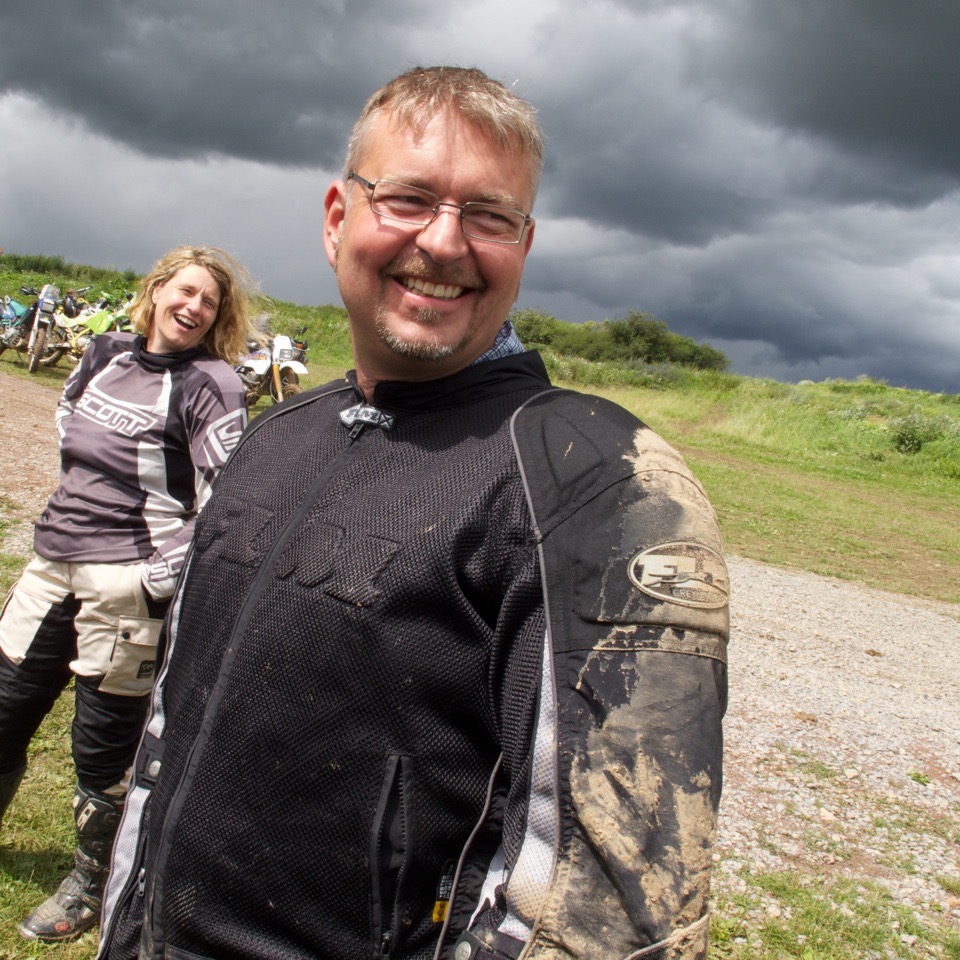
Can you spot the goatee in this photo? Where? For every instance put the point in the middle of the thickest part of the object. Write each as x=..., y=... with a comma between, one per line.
x=425, y=347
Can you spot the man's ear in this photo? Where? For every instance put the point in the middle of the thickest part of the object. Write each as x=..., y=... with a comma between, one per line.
x=334, y=210
x=528, y=239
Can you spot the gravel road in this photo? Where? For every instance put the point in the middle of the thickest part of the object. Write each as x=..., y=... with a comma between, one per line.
x=843, y=730
x=842, y=739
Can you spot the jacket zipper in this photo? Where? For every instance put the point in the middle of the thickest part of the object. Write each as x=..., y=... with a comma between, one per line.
x=390, y=853
x=153, y=889
x=464, y=854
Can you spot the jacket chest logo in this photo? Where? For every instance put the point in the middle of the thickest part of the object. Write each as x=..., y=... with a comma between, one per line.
x=318, y=554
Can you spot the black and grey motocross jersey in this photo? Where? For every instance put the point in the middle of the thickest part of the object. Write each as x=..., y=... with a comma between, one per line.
x=444, y=679
x=142, y=437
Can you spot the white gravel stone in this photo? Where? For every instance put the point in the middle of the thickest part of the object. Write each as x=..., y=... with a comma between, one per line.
x=842, y=735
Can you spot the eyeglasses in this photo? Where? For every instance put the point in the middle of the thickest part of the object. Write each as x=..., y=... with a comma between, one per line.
x=417, y=208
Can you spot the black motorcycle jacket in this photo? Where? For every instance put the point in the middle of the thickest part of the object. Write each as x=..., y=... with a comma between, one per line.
x=444, y=677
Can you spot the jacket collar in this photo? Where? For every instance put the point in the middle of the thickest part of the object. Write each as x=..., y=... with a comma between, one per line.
x=157, y=362
x=524, y=371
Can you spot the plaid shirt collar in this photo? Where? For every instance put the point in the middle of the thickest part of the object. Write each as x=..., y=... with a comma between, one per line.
x=506, y=344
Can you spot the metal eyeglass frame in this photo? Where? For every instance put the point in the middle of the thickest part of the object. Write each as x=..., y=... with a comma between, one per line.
x=527, y=219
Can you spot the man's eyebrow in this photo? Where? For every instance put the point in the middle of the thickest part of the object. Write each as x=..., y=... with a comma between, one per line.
x=501, y=200
x=497, y=199
x=407, y=181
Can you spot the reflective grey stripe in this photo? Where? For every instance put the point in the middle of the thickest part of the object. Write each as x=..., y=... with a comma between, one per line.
x=530, y=878
x=124, y=858
x=123, y=861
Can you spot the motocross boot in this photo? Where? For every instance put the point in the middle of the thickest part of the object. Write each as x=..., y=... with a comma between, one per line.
x=8, y=788
x=75, y=907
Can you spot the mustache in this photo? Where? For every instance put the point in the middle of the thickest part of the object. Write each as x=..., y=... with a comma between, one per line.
x=448, y=275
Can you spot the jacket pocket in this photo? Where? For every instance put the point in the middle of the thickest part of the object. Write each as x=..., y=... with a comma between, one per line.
x=133, y=664
x=390, y=854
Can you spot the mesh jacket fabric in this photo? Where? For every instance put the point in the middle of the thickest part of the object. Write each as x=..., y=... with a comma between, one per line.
x=452, y=686
x=344, y=600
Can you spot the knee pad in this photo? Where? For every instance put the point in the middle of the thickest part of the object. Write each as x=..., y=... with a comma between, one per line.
x=106, y=731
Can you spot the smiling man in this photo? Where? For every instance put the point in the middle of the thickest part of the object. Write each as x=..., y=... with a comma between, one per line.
x=446, y=672
x=424, y=298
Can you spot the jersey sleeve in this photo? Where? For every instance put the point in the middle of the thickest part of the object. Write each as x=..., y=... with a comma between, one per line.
x=215, y=415
x=92, y=360
x=608, y=831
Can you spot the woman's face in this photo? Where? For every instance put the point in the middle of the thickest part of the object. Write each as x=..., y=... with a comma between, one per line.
x=185, y=308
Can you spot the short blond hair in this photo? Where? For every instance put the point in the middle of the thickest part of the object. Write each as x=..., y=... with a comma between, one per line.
x=420, y=93
x=227, y=337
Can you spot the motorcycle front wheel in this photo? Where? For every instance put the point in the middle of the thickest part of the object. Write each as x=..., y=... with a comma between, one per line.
x=289, y=383
x=57, y=348
x=36, y=354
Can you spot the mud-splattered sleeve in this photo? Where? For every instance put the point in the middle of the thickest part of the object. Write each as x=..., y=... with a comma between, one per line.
x=627, y=763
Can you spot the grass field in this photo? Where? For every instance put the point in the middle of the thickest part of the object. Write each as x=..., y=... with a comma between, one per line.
x=856, y=480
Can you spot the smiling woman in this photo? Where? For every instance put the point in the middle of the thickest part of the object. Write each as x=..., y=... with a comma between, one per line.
x=194, y=296
x=146, y=421
x=184, y=310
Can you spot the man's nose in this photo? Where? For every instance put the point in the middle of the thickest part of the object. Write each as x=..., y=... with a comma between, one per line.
x=442, y=238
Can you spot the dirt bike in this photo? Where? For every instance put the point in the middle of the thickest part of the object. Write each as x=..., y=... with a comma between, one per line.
x=76, y=329
x=10, y=322
x=58, y=342
x=12, y=311
x=47, y=302
x=74, y=303
x=16, y=322
x=31, y=333
x=275, y=368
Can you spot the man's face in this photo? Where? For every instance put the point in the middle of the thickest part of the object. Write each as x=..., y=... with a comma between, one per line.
x=425, y=302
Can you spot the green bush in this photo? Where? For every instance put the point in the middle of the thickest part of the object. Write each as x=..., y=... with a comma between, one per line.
x=534, y=327
x=32, y=270
x=911, y=432
x=638, y=339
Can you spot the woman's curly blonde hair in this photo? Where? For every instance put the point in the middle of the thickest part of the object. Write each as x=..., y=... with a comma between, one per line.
x=227, y=338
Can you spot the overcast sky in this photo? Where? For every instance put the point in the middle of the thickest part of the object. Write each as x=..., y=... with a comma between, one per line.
x=779, y=178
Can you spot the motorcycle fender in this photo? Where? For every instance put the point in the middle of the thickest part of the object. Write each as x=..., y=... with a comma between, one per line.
x=259, y=365
x=40, y=323
x=295, y=365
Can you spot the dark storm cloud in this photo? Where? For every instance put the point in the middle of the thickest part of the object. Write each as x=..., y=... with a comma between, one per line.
x=732, y=167
x=877, y=78
x=183, y=79
x=695, y=119
x=778, y=177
